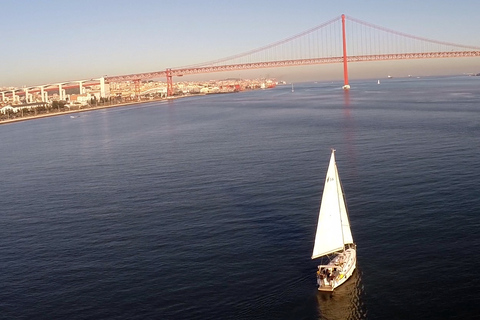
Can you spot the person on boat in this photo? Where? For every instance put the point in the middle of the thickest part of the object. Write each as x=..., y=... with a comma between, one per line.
x=331, y=276
x=321, y=274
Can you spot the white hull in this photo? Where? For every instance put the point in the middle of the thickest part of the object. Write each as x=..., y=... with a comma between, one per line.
x=338, y=271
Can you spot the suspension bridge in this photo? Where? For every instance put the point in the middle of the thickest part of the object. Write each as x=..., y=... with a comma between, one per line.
x=343, y=39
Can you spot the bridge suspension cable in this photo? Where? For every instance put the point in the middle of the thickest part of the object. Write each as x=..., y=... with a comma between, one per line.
x=324, y=44
x=298, y=46
x=365, y=38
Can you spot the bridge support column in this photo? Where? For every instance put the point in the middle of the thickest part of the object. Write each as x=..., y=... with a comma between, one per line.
x=26, y=95
x=346, y=86
x=137, y=88
x=42, y=92
x=102, y=88
x=169, y=82
x=60, y=96
x=80, y=87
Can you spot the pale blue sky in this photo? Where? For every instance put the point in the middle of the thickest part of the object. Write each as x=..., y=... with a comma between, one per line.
x=50, y=41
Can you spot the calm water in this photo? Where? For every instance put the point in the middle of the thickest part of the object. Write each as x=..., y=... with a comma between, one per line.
x=206, y=207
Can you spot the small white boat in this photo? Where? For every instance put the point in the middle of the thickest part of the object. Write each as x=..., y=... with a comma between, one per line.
x=378, y=81
x=333, y=238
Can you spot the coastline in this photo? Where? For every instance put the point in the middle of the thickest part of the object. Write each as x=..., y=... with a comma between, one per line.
x=97, y=107
x=54, y=114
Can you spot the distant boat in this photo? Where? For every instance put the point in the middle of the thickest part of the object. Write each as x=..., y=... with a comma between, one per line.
x=378, y=81
x=333, y=238
x=389, y=77
x=293, y=90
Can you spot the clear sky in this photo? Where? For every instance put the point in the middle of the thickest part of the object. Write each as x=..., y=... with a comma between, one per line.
x=50, y=41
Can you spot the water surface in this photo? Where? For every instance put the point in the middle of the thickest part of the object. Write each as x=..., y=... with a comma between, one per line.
x=206, y=207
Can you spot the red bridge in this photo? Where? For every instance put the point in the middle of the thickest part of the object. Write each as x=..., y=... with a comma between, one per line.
x=341, y=40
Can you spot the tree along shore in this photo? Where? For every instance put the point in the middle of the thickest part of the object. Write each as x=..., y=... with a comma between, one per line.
x=57, y=108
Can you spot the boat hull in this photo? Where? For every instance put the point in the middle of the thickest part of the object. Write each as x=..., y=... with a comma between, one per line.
x=338, y=271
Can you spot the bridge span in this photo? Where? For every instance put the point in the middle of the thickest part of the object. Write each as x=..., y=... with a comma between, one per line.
x=359, y=41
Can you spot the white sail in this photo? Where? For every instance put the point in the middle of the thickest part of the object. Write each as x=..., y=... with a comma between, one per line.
x=333, y=228
x=347, y=232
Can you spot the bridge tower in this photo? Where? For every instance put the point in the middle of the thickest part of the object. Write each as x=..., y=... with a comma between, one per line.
x=346, y=86
x=137, y=88
x=169, y=82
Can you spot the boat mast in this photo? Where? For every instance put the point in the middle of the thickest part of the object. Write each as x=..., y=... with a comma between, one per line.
x=339, y=192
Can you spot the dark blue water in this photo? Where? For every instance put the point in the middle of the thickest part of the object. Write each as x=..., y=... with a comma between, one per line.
x=206, y=207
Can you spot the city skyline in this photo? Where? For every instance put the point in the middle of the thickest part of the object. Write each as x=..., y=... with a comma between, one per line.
x=55, y=41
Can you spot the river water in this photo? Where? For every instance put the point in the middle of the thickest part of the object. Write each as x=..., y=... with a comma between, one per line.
x=206, y=207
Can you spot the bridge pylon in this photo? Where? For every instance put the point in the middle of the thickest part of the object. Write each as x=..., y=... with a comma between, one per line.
x=346, y=86
x=137, y=83
x=168, y=73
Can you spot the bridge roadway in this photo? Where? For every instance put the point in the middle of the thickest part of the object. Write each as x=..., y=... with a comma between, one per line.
x=51, y=87
x=235, y=67
x=290, y=63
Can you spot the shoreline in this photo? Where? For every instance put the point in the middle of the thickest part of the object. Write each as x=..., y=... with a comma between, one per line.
x=59, y=113
x=54, y=114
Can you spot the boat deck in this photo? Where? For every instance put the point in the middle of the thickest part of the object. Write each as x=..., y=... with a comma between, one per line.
x=337, y=271
x=325, y=288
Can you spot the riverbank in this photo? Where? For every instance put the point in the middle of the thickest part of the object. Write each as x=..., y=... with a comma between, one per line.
x=106, y=105
x=84, y=109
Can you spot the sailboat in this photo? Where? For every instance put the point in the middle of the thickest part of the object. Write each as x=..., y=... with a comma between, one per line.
x=334, y=238
x=292, y=88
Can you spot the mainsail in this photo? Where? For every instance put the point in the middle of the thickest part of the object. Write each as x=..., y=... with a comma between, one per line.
x=333, y=229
